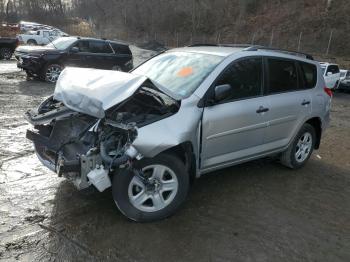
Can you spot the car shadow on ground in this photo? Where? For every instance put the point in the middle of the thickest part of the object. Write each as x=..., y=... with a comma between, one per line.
x=261, y=206
x=34, y=87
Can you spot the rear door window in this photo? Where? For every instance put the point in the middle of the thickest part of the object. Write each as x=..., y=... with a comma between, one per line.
x=282, y=75
x=100, y=47
x=308, y=75
x=83, y=46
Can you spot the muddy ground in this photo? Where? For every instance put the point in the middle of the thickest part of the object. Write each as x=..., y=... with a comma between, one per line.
x=258, y=211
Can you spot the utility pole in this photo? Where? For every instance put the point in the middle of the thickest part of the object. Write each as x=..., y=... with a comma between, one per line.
x=253, y=38
x=299, y=42
x=218, y=38
x=329, y=42
x=271, y=39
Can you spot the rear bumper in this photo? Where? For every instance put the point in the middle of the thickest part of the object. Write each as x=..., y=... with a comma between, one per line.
x=344, y=85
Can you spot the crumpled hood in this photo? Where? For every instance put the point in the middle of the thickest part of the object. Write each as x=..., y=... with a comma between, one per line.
x=92, y=91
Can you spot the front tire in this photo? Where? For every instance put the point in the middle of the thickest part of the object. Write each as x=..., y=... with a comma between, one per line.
x=166, y=188
x=300, y=150
x=52, y=72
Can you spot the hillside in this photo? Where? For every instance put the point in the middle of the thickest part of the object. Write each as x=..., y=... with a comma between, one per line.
x=307, y=25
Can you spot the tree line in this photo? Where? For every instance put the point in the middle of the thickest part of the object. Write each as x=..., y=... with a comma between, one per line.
x=180, y=22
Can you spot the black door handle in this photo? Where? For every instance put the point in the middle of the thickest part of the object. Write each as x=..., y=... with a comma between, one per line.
x=304, y=103
x=262, y=110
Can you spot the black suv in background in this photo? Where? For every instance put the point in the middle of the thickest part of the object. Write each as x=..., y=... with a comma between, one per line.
x=48, y=61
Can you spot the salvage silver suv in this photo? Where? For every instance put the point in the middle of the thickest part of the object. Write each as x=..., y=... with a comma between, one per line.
x=181, y=114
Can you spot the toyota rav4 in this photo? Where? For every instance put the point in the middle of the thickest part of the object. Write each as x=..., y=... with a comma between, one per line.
x=183, y=113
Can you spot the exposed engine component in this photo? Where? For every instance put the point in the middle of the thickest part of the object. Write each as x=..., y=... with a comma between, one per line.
x=99, y=178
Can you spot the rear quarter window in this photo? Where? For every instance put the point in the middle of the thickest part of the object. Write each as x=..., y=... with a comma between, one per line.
x=334, y=69
x=121, y=49
x=308, y=75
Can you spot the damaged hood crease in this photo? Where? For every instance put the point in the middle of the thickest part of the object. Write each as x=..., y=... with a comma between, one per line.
x=92, y=91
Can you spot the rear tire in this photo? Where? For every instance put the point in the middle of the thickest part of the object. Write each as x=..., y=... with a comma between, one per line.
x=6, y=53
x=32, y=42
x=157, y=201
x=117, y=68
x=300, y=150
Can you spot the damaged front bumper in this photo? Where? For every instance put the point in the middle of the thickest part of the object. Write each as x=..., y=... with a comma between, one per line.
x=71, y=145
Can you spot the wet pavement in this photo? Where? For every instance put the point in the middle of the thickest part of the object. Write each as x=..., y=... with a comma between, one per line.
x=259, y=211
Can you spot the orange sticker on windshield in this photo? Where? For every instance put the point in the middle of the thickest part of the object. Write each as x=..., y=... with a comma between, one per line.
x=186, y=71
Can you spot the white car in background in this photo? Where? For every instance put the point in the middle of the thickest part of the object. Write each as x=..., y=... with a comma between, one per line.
x=331, y=74
x=344, y=80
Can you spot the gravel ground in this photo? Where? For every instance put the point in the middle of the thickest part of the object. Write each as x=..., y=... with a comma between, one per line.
x=259, y=211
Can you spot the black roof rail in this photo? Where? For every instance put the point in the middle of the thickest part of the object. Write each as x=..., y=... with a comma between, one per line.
x=223, y=45
x=248, y=47
x=285, y=51
x=195, y=45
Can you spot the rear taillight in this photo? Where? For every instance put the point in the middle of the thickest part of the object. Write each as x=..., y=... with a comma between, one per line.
x=328, y=92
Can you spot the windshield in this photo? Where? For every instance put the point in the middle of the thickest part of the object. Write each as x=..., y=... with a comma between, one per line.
x=62, y=43
x=179, y=72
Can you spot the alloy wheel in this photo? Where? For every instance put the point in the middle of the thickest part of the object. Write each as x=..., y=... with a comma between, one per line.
x=303, y=147
x=52, y=73
x=159, y=191
x=6, y=53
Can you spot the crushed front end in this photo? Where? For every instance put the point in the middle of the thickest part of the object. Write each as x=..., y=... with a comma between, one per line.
x=86, y=148
x=73, y=144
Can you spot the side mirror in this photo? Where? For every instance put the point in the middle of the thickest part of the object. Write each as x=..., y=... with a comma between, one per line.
x=74, y=50
x=222, y=92
x=329, y=74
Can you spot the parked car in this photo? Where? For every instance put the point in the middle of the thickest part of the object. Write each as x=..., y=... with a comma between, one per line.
x=32, y=26
x=47, y=62
x=7, y=47
x=331, y=75
x=40, y=37
x=344, y=80
x=181, y=114
x=9, y=29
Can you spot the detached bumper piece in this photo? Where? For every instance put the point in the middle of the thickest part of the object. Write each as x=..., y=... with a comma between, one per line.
x=41, y=140
x=62, y=166
x=39, y=119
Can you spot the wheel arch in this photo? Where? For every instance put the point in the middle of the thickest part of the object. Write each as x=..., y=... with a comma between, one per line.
x=48, y=63
x=316, y=123
x=185, y=152
x=32, y=41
